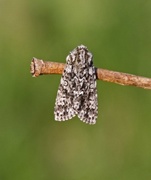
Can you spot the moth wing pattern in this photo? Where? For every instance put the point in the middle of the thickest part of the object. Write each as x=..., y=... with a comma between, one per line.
x=77, y=93
x=89, y=106
x=63, y=106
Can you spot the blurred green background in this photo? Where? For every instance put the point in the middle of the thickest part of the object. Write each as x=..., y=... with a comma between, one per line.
x=32, y=144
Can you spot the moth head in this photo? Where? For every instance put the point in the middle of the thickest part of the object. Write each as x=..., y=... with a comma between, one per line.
x=80, y=56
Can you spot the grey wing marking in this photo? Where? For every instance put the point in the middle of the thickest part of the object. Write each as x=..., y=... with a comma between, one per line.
x=89, y=103
x=64, y=101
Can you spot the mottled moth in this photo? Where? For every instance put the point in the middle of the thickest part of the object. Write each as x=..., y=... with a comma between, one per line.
x=77, y=93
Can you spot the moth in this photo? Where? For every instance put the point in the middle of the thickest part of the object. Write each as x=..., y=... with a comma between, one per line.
x=77, y=93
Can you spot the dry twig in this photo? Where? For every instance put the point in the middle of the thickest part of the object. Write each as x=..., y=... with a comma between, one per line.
x=39, y=67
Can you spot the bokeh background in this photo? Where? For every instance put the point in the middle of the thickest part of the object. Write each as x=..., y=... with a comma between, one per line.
x=32, y=144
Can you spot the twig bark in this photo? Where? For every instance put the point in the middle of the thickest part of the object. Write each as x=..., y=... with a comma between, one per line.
x=40, y=67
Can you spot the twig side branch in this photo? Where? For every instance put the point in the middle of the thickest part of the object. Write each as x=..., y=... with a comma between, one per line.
x=124, y=78
x=40, y=67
